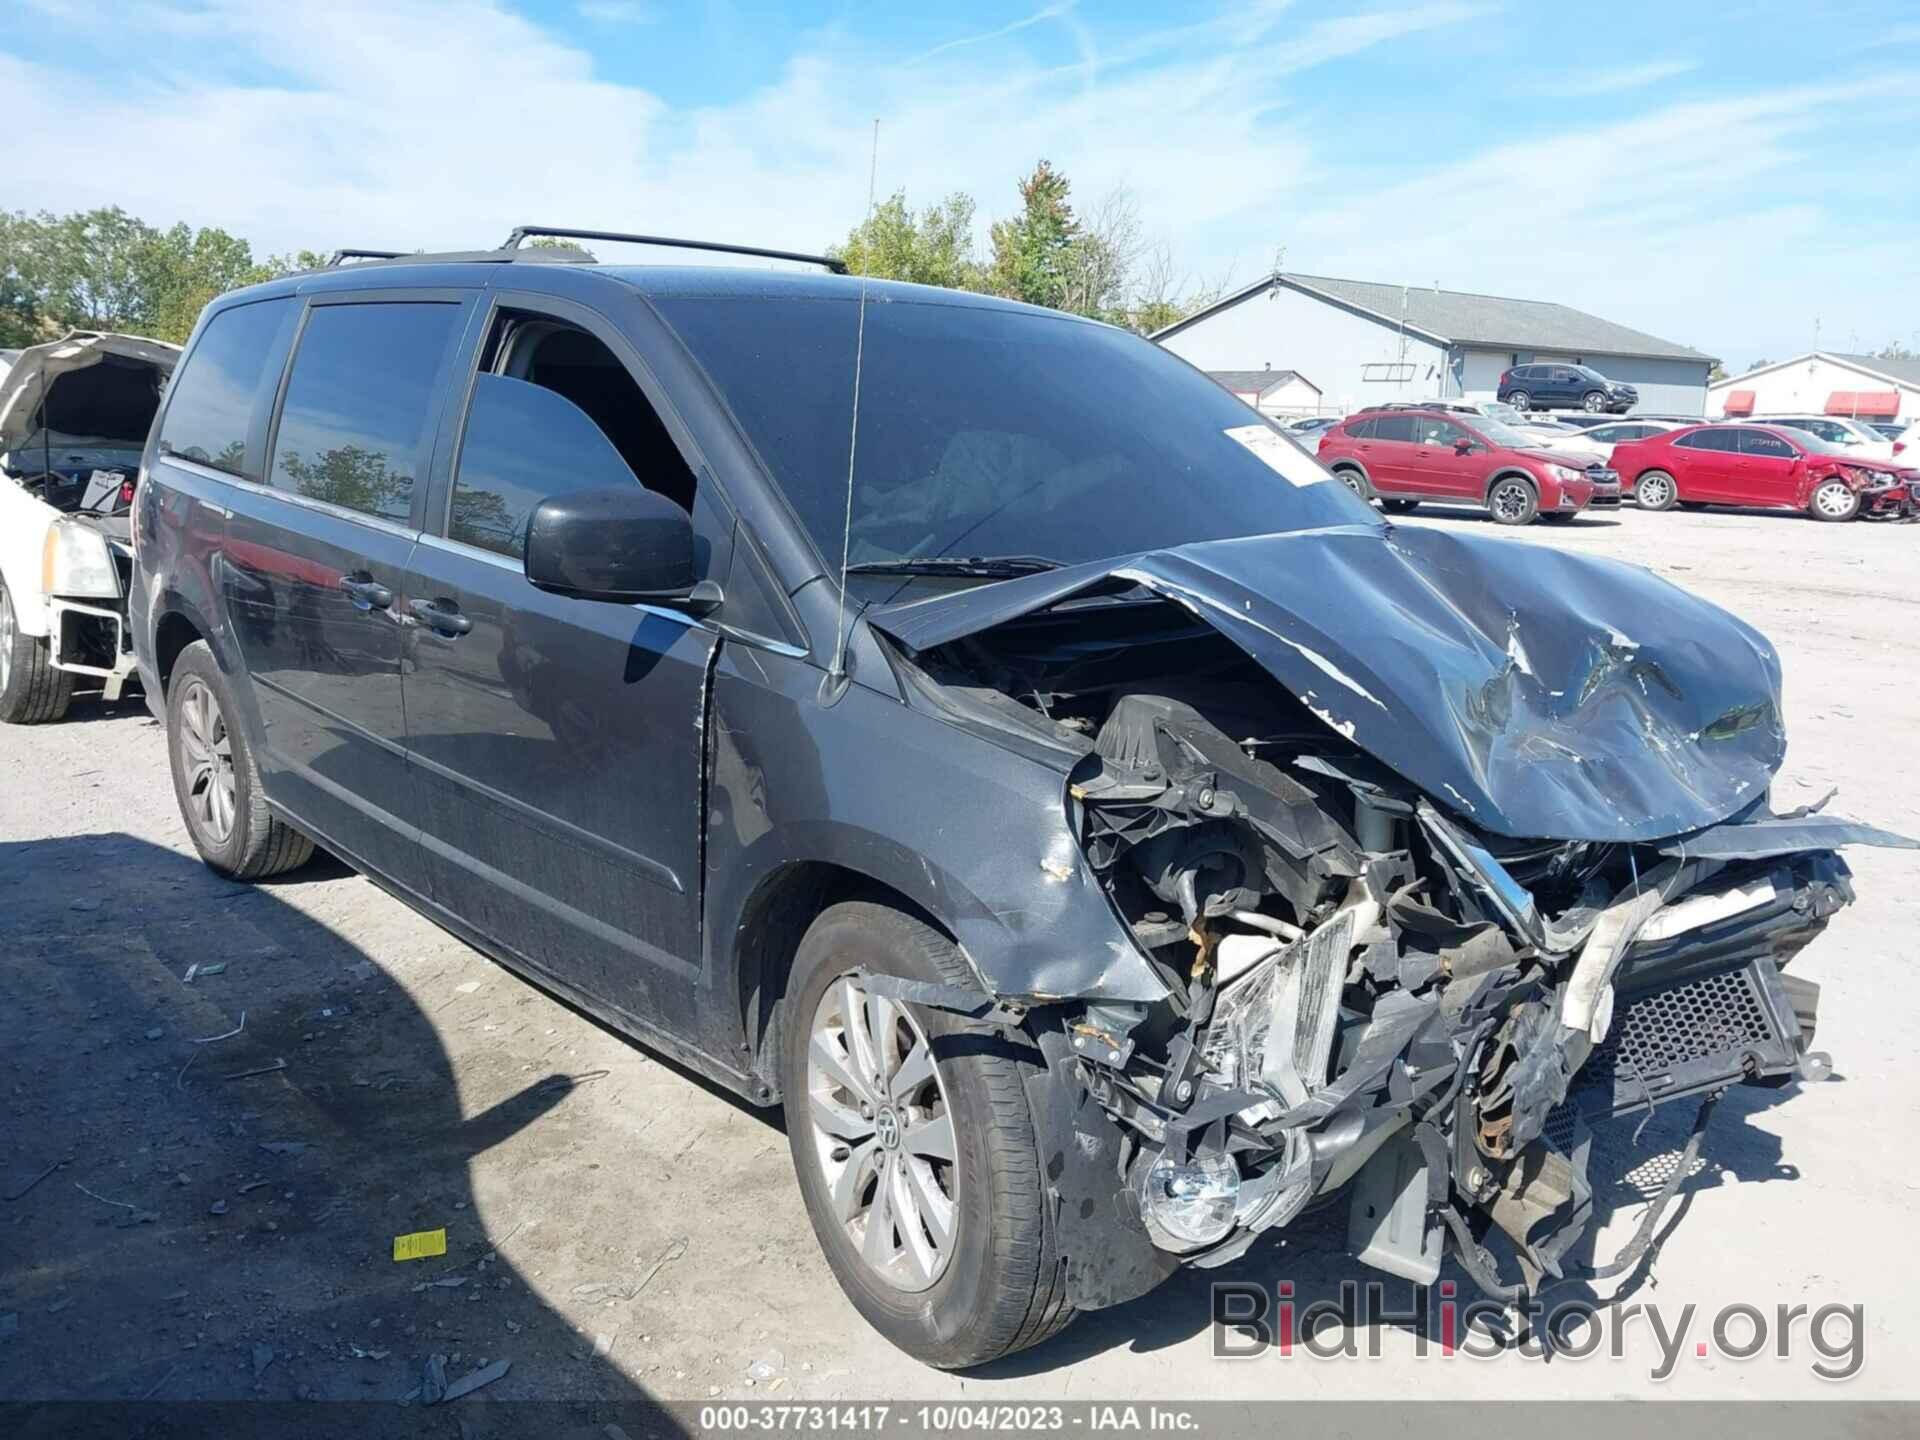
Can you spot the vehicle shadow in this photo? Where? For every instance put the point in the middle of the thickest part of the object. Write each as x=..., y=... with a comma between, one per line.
x=1311, y=1253
x=1585, y=520
x=202, y=1182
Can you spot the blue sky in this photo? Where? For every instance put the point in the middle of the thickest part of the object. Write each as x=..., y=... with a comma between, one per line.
x=1729, y=176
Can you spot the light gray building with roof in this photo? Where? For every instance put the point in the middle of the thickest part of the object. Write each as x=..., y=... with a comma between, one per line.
x=1367, y=343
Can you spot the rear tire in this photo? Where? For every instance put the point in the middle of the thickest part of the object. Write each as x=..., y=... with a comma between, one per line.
x=1356, y=481
x=32, y=692
x=1834, y=501
x=215, y=779
x=1655, y=490
x=1520, y=400
x=1512, y=501
x=997, y=1285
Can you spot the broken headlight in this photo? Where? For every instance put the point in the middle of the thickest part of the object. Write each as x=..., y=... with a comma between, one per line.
x=1275, y=1027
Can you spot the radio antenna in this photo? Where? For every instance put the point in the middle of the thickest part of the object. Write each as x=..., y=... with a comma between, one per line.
x=838, y=671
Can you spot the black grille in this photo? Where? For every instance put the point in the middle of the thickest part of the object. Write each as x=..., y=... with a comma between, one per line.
x=1696, y=1034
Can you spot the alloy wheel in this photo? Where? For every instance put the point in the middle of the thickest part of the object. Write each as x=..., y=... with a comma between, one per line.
x=6, y=638
x=1654, y=491
x=208, y=748
x=1351, y=479
x=1520, y=400
x=883, y=1134
x=1595, y=402
x=1510, y=499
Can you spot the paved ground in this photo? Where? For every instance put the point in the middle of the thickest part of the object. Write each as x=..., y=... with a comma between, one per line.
x=615, y=1228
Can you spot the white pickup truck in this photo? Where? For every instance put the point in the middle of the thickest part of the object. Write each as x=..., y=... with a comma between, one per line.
x=74, y=416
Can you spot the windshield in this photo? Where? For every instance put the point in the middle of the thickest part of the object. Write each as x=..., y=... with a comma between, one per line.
x=1507, y=436
x=1500, y=410
x=988, y=433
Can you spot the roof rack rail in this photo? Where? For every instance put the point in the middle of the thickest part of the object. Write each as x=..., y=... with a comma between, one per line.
x=339, y=256
x=556, y=232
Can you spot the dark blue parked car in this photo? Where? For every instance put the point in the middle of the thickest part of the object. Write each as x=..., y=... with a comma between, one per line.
x=974, y=729
x=1565, y=387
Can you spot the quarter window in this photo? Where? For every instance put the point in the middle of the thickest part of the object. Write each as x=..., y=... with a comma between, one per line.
x=233, y=369
x=357, y=425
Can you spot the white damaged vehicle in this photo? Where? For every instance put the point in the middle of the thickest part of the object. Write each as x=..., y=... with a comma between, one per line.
x=74, y=416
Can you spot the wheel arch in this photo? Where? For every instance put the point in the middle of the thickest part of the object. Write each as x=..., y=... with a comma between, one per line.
x=1511, y=472
x=773, y=921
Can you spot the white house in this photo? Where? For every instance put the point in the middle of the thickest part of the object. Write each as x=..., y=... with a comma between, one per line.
x=1365, y=343
x=1281, y=393
x=1823, y=382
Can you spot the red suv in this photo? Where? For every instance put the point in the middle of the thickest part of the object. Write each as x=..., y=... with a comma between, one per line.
x=1405, y=457
x=1768, y=465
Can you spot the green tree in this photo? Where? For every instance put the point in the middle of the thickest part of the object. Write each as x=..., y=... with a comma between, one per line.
x=1033, y=251
x=1894, y=351
x=352, y=476
x=107, y=270
x=932, y=248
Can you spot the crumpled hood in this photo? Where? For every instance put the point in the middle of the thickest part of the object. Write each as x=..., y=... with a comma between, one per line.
x=1536, y=693
x=42, y=366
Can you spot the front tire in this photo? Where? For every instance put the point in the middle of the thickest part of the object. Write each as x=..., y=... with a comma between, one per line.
x=1593, y=402
x=915, y=1147
x=215, y=779
x=1834, y=501
x=1655, y=490
x=1512, y=501
x=1356, y=481
x=32, y=692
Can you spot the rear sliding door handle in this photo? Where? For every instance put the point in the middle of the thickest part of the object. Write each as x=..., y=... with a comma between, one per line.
x=441, y=615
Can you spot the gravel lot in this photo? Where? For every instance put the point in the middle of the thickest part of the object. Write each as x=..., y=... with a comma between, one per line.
x=616, y=1229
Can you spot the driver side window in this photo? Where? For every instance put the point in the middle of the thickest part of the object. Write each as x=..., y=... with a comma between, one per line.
x=553, y=411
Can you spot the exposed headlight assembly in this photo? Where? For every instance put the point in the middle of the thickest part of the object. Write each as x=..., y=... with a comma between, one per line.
x=1564, y=473
x=76, y=561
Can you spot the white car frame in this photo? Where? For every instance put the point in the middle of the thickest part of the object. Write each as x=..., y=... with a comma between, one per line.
x=68, y=626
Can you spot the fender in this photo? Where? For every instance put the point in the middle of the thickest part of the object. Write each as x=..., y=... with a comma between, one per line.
x=794, y=779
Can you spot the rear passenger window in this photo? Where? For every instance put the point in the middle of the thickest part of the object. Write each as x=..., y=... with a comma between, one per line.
x=1393, y=427
x=358, y=419
x=234, y=367
x=1758, y=442
x=1708, y=440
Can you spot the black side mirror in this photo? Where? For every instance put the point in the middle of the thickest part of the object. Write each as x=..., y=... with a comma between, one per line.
x=620, y=543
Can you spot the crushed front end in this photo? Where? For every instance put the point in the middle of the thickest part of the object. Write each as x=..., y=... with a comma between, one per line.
x=1309, y=768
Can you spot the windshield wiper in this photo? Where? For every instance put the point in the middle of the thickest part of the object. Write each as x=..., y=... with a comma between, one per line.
x=987, y=567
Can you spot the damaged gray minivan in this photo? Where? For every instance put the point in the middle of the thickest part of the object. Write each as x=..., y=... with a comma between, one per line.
x=972, y=729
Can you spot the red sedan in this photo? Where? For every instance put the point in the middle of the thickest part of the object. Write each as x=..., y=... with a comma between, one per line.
x=1763, y=465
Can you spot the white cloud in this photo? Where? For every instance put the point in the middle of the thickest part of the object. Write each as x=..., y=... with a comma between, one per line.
x=1570, y=81
x=617, y=12
x=1692, y=221
x=406, y=125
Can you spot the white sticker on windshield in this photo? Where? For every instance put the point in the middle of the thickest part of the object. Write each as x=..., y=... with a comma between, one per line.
x=1279, y=455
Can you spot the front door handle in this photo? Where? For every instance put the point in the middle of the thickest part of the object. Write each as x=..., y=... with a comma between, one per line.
x=442, y=616
x=366, y=592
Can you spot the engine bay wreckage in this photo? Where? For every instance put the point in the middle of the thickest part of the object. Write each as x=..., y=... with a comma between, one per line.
x=1440, y=850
